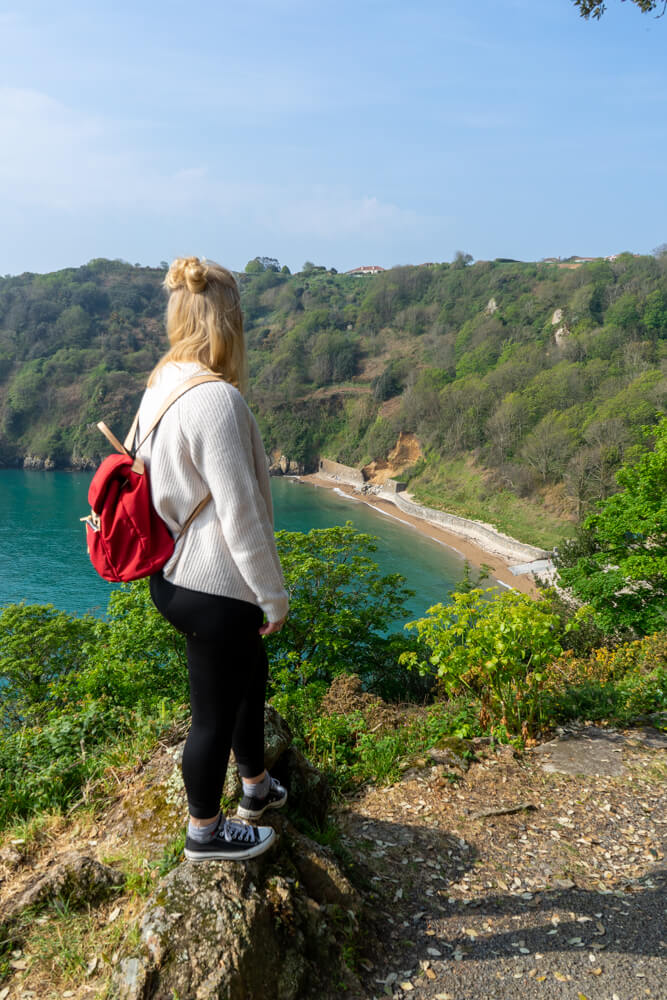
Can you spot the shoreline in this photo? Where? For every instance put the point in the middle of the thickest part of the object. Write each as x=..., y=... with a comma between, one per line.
x=464, y=547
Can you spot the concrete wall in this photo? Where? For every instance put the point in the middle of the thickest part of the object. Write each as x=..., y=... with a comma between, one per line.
x=486, y=536
x=343, y=473
x=394, y=486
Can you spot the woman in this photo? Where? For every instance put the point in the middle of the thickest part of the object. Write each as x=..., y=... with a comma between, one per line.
x=225, y=574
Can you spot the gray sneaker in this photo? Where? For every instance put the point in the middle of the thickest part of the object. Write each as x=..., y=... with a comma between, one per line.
x=252, y=807
x=232, y=841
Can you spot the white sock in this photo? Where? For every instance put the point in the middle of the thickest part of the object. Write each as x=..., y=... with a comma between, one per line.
x=258, y=789
x=202, y=834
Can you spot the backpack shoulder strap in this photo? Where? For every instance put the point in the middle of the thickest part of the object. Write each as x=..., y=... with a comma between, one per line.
x=169, y=401
x=198, y=509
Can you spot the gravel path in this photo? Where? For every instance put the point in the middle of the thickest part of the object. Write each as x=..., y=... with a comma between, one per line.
x=561, y=897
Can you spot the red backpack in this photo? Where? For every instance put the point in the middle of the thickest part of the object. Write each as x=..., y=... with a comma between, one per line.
x=126, y=537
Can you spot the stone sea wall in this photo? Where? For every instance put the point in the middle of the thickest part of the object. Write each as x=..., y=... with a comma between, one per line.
x=343, y=473
x=484, y=535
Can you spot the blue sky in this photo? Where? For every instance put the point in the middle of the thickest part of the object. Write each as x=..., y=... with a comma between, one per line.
x=346, y=133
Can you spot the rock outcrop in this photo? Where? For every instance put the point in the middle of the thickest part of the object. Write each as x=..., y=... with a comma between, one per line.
x=281, y=465
x=271, y=927
x=79, y=880
x=35, y=462
x=405, y=453
x=275, y=927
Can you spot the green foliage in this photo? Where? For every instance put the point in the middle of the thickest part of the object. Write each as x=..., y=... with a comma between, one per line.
x=621, y=702
x=80, y=694
x=340, y=610
x=38, y=646
x=352, y=751
x=51, y=766
x=497, y=650
x=618, y=563
x=134, y=659
x=596, y=8
x=620, y=685
x=387, y=384
x=381, y=438
x=654, y=318
x=333, y=357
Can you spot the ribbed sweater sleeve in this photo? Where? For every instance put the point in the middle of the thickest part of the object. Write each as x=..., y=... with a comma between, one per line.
x=226, y=448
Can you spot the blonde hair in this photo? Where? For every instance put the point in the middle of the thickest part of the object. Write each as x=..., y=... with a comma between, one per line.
x=204, y=320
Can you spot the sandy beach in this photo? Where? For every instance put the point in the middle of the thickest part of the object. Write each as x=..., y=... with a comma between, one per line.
x=475, y=554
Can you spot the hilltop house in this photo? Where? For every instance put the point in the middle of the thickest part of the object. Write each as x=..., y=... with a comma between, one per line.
x=359, y=272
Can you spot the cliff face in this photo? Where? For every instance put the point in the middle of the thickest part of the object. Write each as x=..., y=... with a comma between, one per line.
x=406, y=452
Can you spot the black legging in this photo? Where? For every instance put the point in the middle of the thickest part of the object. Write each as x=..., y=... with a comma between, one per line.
x=228, y=671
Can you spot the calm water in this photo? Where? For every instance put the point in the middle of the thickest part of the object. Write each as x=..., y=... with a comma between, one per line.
x=43, y=557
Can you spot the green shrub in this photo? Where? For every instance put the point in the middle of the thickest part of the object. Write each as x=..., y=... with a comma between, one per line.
x=618, y=563
x=51, y=766
x=497, y=650
x=619, y=685
x=341, y=608
x=350, y=752
x=38, y=646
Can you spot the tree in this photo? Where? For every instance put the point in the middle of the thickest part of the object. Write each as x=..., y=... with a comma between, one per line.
x=596, y=8
x=577, y=478
x=618, y=561
x=546, y=450
x=461, y=259
x=38, y=645
x=387, y=384
x=340, y=610
x=269, y=264
x=505, y=426
x=655, y=313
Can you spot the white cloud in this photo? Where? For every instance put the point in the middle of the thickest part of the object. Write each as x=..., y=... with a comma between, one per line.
x=63, y=159
x=46, y=148
x=59, y=158
x=80, y=181
x=328, y=214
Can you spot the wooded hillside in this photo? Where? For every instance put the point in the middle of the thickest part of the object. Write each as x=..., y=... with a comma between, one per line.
x=528, y=382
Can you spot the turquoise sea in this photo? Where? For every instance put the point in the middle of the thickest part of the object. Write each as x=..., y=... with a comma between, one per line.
x=43, y=557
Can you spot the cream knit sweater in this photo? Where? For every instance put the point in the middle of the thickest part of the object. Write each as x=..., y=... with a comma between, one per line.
x=209, y=440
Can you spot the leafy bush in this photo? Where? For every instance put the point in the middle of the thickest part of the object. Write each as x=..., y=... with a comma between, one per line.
x=619, y=685
x=38, y=646
x=618, y=563
x=135, y=659
x=350, y=752
x=340, y=610
x=497, y=650
x=620, y=702
x=51, y=766
x=80, y=694
x=640, y=657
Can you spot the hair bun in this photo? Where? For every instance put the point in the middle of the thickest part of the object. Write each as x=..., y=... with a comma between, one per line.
x=188, y=271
